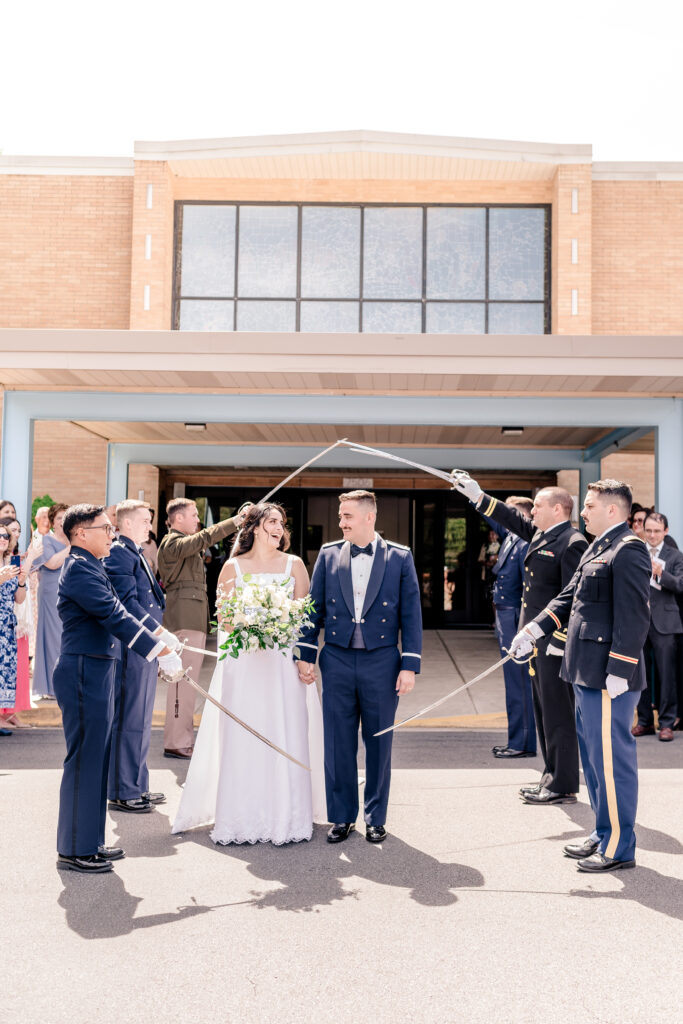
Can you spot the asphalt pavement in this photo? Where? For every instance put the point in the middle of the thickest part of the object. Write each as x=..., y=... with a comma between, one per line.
x=468, y=912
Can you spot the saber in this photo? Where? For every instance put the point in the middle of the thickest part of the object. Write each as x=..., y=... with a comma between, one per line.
x=239, y=721
x=442, y=700
x=302, y=468
x=363, y=449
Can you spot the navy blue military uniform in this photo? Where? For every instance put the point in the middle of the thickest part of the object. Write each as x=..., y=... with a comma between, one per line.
x=508, y=587
x=360, y=663
x=136, y=677
x=607, y=611
x=549, y=564
x=92, y=618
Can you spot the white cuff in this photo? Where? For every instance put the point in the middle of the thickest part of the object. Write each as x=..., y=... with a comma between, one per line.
x=155, y=652
x=534, y=629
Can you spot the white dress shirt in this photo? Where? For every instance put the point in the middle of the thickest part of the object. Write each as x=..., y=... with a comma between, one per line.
x=361, y=567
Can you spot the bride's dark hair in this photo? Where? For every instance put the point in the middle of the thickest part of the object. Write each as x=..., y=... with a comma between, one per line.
x=254, y=516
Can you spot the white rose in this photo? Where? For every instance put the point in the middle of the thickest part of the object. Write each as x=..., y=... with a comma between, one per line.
x=248, y=595
x=239, y=619
x=253, y=643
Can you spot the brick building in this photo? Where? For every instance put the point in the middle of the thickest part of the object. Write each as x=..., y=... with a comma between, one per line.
x=203, y=317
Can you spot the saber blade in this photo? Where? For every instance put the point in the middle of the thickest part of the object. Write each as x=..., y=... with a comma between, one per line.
x=264, y=739
x=442, y=700
x=362, y=449
x=302, y=468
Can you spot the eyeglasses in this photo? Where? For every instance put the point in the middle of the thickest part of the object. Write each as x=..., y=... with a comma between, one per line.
x=103, y=526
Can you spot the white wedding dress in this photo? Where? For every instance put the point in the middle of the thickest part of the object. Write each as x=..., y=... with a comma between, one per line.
x=247, y=790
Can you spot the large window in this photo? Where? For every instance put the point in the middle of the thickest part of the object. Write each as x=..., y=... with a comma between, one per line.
x=390, y=269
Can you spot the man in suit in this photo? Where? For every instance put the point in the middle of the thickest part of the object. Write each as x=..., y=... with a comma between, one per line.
x=666, y=583
x=181, y=567
x=365, y=592
x=606, y=607
x=555, y=548
x=136, y=678
x=508, y=573
x=93, y=619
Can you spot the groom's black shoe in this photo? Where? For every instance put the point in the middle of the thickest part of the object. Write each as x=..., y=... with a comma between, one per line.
x=137, y=806
x=338, y=833
x=91, y=864
x=375, y=833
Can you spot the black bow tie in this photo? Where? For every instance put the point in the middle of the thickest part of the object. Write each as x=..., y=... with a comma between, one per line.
x=355, y=550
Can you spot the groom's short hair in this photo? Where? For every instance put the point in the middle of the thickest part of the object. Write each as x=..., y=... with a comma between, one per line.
x=366, y=498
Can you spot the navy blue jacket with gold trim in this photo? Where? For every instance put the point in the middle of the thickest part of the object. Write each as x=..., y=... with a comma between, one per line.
x=550, y=561
x=92, y=615
x=606, y=606
x=392, y=602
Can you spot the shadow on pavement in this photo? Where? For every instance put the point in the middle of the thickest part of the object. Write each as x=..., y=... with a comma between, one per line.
x=81, y=897
x=650, y=888
x=312, y=878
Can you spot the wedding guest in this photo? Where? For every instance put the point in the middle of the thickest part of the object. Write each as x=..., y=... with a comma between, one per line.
x=22, y=612
x=42, y=528
x=7, y=509
x=12, y=594
x=666, y=583
x=181, y=564
x=49, y=628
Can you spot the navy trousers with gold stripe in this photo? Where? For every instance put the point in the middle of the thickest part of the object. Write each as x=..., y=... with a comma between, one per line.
x=610, y=766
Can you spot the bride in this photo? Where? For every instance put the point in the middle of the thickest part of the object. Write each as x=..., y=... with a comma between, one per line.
x=250, y=792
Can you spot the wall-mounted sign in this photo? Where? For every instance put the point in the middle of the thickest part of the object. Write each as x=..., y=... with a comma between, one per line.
x=358, y=483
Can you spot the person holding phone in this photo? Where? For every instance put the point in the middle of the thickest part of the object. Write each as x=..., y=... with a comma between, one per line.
x=12, y=594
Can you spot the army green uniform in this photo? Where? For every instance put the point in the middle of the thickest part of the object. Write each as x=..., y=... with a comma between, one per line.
x=181, y=567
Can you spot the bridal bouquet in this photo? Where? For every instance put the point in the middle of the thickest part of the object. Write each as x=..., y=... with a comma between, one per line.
x=261, y=616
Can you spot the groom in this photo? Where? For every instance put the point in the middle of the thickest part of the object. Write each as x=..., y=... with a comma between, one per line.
x=365, y=591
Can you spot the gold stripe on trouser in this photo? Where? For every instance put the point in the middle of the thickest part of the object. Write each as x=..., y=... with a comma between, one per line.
x=608, y=768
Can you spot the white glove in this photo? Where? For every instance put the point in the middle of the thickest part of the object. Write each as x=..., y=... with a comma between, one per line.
x=171, y=666
x=616, y=686
x=464, y=483
x=556, y=651
x=170, y=639
x=522, y=645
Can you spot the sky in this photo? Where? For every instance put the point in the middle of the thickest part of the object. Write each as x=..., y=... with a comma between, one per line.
x=88, y=79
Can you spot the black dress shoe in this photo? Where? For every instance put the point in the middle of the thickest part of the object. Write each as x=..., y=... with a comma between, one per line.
x=533, y=787
x=91, y=864
x=546, y=796
x=510, y=752
x=154, y=798
x=375, y=833
x=580, y=850
x=110, y=852
x=185, y=753
x=598, y=862
x=495, y=750
x=137, y=806
x=338, y=833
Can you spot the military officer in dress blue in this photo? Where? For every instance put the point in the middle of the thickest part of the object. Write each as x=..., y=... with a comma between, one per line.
x=92, y=619
x=555, y=548
x=606, y=607
x=366, y=592
x=508, y=587
x=136, y=677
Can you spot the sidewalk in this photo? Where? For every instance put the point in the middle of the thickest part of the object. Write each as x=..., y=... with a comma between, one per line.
x=449, y=659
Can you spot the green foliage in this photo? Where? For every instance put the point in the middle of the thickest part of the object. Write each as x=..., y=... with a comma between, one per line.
x=37, y=503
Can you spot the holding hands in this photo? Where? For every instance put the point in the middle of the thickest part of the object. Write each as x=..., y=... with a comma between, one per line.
x=463, y=482
x=306, y=672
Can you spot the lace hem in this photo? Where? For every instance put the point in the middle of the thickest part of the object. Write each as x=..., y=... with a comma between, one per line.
x=238, y=838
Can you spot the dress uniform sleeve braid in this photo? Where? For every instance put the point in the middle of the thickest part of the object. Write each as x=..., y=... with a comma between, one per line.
x=631, y=570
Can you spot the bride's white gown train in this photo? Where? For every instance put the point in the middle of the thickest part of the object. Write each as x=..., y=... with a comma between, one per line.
x=247, y=791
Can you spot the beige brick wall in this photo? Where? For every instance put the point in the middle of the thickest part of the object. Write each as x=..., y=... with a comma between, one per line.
x=69, y=463
x=156, y=272
x=65, y=246
x=568, y=276
x=144, y=478
x=637, y=470
x=637, y=257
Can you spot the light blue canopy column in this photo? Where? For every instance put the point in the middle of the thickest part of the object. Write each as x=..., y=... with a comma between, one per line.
x=16, y=465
